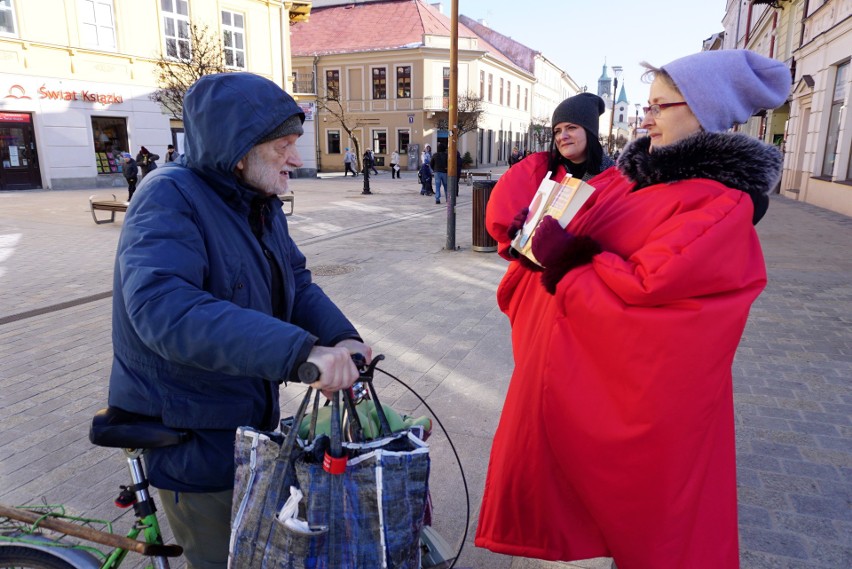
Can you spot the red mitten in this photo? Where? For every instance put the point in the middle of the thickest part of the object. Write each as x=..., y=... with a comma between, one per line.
x=560, y=251
x=517, y=223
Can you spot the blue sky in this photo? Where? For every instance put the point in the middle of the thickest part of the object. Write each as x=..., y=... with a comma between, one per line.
x=578, y=35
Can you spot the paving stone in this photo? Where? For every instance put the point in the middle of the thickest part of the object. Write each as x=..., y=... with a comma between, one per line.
x=433, y=312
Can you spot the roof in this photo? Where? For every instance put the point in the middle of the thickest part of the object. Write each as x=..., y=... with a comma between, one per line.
x=521, y=55
x=376, y=26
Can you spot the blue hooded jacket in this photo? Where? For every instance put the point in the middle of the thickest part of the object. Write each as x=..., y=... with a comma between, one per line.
x=194, y=339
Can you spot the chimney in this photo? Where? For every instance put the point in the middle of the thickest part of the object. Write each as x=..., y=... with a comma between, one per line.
x=483, y=23
x=438, y=6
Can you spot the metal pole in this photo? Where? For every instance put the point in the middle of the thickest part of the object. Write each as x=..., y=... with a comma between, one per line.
x=611, y=144
x=366, y=173
x=452, y=108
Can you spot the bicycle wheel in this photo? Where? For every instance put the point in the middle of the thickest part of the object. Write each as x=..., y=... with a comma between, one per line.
x=14, y=557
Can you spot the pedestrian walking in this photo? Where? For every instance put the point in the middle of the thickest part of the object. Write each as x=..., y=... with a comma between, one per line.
x=147, y=161
x=370, y=161
x=394, y=165
x=439, y=164
x=171, y=154
x=425, y=177
x=131, y=173
x=348, y=163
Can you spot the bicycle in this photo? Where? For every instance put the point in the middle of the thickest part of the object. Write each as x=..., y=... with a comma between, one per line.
x=34, y=537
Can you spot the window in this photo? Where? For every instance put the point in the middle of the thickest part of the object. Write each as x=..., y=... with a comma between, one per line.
x=332, y=83
x=332, y=138
x=445, y=87
x=233, y=39
x=508, y=93
x=501, y=92
x=403, y=140
x=110, y=140
x=518, y=97
x=490, y=88
x=526, y=99
x=380, y=142
x=482, y=84
x=7, y=18
x=97, y=26
x=831, y=141
x=176, y=28
x=403, y=82
x=380, y=83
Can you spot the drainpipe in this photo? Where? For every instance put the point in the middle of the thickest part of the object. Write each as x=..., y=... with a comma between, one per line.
x=748, y=25
x=316, y=114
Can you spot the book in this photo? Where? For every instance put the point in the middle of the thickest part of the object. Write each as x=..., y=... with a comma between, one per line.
x=560, y=200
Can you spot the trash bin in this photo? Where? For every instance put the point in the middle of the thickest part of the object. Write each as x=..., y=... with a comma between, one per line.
x=482, y=241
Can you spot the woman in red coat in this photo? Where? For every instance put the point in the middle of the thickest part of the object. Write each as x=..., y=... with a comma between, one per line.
x=617, y=434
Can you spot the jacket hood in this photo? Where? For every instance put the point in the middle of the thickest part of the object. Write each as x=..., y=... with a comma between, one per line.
x=736, y=160
x=225, y=115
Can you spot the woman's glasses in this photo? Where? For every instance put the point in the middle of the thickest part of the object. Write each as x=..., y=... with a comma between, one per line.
x=655, y=110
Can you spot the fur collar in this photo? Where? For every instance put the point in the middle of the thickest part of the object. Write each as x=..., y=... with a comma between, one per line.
x=736, y=160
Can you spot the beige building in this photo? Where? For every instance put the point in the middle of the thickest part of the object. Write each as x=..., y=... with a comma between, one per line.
x=814, y=127
x=388, y=64
x=77, y=75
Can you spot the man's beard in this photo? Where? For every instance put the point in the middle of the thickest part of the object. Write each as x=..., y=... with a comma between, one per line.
x=262, y=176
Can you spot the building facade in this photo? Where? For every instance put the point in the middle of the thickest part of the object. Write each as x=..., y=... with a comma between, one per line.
x=814, y=127
x=76, y=87
x=378, y=76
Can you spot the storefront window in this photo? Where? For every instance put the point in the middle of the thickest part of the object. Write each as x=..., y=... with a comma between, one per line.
x=110, y=140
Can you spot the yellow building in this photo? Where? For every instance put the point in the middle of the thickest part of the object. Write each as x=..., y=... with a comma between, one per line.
x=76, y=77
x=388, y=65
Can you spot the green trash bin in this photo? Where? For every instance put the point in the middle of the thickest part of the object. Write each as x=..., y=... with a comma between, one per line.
x=482, y=241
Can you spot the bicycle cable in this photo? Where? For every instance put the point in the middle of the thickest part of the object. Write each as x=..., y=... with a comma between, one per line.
x=458, y=460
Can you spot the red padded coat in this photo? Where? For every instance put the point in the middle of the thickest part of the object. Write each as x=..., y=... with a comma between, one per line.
x=617, y=433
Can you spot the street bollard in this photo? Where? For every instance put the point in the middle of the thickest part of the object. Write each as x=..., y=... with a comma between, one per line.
x=366, y=180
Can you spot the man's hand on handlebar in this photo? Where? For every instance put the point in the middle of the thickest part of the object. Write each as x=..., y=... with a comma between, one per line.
x=336, y=369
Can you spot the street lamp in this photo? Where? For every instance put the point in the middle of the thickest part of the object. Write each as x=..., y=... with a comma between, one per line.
x=636, y=124
x=616, y=69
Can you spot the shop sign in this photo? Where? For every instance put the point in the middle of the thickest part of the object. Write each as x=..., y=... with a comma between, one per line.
x=82, y=95
x=14, y=117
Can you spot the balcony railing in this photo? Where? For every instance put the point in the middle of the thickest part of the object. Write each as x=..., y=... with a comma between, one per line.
x=303, y=83
x=436, y=103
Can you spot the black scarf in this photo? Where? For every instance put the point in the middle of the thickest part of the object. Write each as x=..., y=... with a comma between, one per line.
x=735, y=160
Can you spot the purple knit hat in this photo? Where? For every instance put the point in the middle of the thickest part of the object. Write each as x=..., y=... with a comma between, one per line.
x=726, y=87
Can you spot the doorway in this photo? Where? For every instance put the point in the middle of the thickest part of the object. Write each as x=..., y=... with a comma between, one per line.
x=19, y=169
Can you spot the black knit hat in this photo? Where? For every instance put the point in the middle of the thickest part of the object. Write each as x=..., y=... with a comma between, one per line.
x=584, y=109
x=292, y=125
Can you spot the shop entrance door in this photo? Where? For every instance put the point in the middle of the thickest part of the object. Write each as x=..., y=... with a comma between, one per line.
x=19, y=168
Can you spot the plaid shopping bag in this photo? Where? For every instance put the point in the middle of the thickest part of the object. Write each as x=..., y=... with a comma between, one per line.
x=363, y=505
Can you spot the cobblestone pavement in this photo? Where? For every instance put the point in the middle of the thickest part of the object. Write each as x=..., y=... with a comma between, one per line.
x=432, y=313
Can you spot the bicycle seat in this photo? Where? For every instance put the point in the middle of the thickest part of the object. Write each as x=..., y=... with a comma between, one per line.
x=117, y=428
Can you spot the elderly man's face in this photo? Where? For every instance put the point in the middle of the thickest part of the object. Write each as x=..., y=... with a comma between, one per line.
x=266, y=168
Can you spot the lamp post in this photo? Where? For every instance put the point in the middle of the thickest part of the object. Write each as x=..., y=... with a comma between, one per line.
x=616, y=69
x=636, y=124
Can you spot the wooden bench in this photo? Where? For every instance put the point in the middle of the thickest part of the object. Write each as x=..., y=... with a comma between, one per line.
x=288, y=198
x=114, y=205
x=469, y=175
x=111, y=206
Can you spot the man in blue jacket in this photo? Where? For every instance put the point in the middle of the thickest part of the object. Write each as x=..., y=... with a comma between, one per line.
x=213, y=306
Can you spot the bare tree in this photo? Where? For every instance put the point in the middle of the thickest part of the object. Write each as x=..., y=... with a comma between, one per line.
x=349, y=122
x=177, y=72
x=542, y=133
x=469, y=110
